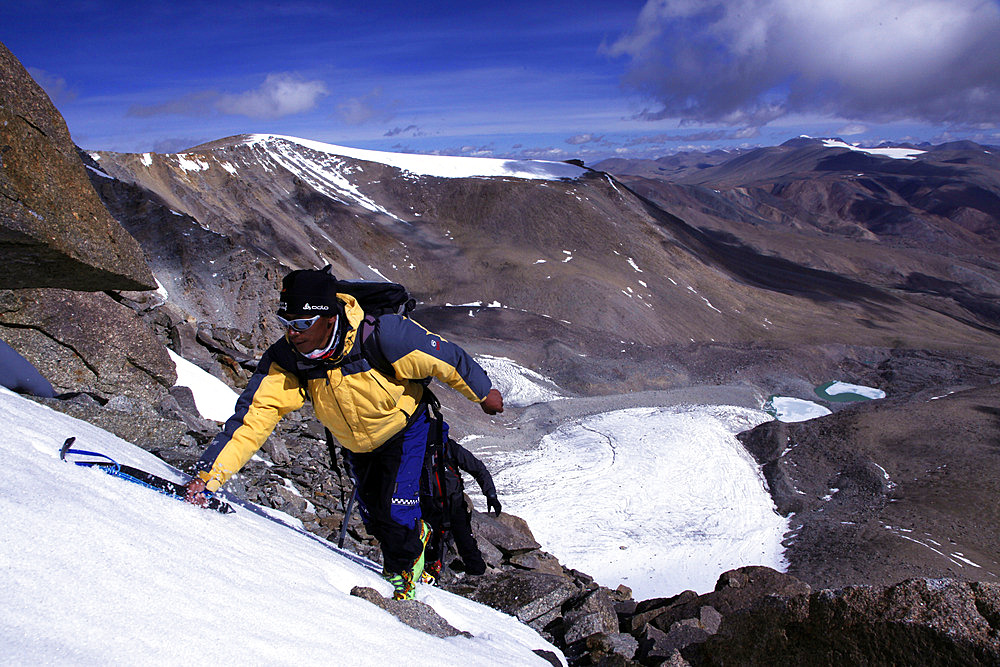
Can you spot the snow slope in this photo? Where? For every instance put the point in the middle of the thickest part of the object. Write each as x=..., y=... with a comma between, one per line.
x=213, y=397
x=520, y=386
x=442, y=166
x=98, y=571
x=894, y=153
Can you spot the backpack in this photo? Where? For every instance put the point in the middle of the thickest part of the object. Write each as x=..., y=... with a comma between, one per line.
x=441, y=481
x=376, y=299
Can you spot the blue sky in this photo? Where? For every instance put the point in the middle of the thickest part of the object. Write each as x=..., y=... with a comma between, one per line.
x=583, y=79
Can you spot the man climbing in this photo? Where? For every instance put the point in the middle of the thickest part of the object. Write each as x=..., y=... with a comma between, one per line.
x=379, y=417
x=442, y=503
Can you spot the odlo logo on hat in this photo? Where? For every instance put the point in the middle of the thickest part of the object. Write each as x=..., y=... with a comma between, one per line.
x=308, y=291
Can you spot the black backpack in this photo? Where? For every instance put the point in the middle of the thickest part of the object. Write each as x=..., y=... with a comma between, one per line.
x=375, y=298
x=441, y=481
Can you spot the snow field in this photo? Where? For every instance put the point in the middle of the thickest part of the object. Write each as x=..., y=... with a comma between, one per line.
x=520, y=386
x=213, y=397
x=441, y=166
x=100, y=571
x=788, y=409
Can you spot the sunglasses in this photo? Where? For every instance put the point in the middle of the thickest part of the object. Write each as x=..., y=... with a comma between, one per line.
x=300, y=324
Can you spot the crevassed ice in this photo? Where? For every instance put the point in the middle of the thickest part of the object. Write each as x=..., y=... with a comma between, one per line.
x=660, y=499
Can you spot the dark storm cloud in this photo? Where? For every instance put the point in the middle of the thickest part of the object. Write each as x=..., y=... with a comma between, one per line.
x=748, y=62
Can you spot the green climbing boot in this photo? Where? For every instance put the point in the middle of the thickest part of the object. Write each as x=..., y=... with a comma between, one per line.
x=404, y=583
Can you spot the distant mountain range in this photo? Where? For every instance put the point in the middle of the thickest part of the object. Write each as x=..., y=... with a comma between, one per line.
x=916, y=220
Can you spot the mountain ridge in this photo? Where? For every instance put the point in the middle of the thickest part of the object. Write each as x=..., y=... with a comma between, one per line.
x=423, y=221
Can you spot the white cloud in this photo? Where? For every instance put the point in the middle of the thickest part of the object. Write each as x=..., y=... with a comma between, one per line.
x=279, y=95
x=852, y=129
x=578, y=139
x=751, y=61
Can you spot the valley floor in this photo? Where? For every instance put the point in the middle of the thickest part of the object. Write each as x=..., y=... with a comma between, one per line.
x=651, y=490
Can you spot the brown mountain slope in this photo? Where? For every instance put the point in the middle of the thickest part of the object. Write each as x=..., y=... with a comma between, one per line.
x=584, y=253
x=889, y=490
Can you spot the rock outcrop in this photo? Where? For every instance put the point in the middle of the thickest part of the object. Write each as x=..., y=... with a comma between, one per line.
x=86, y=342
x=414, y=613
x=54, y=231
x=916, y=622
x=62, y=251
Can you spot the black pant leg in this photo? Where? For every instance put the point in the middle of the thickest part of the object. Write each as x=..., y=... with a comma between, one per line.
x=395, y=526
x=461, y=531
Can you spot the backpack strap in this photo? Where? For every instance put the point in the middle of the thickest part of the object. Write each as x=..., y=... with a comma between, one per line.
x=366, y=347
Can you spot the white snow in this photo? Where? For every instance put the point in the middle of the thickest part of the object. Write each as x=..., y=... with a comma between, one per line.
x=960, y=556
x=895, y=153
x=709, y=304
x=520, y=386
x=788, y=409
x=147, y=159
x=839, y=387
x=475, y=304
x=328, y=174
x=161, y=291
x=213, y=397
x=442, y=166
x=98, y=172
x=379, y=273
x=98, y=571
x=191, y=164
x=660, y=499
x=957, y=558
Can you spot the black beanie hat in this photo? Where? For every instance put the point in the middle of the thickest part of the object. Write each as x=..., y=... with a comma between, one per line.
x=309, y=292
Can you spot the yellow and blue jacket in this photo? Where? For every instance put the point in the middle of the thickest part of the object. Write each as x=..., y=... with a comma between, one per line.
x=360, y=405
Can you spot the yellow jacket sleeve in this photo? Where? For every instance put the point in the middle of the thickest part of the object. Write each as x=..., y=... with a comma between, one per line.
x=271, y=394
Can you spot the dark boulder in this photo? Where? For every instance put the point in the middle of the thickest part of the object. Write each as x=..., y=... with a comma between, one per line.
x=918, y=621
x=82, y=341
x=413, y=613
x=534, y=598
x=508, y=533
